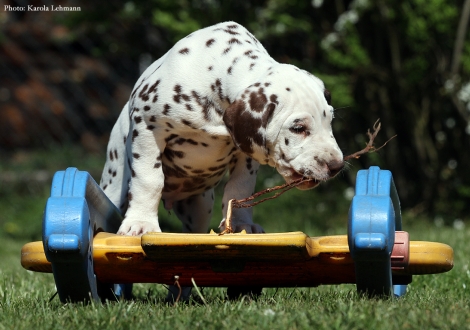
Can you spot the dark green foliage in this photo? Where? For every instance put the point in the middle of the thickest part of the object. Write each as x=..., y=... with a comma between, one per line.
x=393, y=60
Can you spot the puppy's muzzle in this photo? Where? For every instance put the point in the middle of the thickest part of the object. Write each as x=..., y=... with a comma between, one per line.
x=334, y=167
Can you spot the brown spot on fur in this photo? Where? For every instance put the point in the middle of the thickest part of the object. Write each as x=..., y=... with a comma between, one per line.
x=218, y=84
x=180, y=141
x=258, y=100
x=174, y=171
x=177, y=97
x=170, y=154
x=231, y=32
x=166, y=109
x=234, y=41
x=204, y=103
x=187, y=123
x=248, y=163
x=171, y=137
x=184, y=51
x=145, y=92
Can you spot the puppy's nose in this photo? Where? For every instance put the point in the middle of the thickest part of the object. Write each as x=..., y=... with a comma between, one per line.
x=334, y=167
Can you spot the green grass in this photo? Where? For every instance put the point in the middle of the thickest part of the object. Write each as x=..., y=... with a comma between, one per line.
x=433, y=301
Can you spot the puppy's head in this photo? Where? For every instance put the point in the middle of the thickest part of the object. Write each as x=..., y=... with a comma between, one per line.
x=284, y=120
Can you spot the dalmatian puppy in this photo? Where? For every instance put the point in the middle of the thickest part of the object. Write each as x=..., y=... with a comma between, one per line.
x=215, y=102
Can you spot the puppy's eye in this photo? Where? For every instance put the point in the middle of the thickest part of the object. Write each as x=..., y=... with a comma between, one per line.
x=298, y=129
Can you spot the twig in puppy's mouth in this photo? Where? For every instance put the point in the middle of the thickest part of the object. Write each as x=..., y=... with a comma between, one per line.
x=239, y=203
x=370, y=145
x=245, y=202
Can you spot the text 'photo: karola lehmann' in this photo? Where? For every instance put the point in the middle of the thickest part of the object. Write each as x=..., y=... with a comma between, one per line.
x=41, y=8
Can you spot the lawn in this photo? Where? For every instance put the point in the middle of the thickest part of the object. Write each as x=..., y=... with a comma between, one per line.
x=433, y=302
x=27, y=299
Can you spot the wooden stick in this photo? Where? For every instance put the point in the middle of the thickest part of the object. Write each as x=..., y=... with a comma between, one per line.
x=228, y=220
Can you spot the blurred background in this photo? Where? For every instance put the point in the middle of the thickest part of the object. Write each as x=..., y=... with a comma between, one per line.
x=65, y=76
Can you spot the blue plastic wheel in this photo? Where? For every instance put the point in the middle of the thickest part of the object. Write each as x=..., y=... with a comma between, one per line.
x=374, y=216
x=76, y=210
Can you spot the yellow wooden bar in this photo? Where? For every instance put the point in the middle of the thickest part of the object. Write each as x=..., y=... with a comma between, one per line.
x=284, y=259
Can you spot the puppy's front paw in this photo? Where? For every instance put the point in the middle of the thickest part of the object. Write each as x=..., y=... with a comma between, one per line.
x=138, y=228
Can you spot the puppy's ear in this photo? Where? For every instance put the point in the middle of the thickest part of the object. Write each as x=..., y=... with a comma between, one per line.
x=248, y=127
x=239, y=124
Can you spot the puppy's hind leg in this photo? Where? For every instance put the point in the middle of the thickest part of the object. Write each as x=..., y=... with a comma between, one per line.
x=195, y=212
